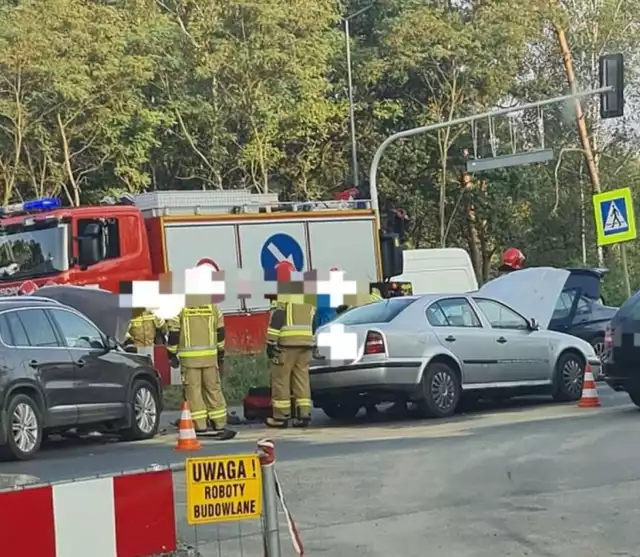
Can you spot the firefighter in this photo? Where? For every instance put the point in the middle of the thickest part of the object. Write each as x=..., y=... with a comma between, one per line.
x=196, y=343
x=145, y=330
x=290, y=348
x=512, y=260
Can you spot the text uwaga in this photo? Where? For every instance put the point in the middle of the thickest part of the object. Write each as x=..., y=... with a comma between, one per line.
x=226, y=496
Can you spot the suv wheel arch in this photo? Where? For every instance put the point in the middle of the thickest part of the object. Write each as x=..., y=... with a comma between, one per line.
x=28, y=388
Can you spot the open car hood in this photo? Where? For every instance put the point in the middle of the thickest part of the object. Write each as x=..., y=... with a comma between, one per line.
x=531, y=292
x=101, y=306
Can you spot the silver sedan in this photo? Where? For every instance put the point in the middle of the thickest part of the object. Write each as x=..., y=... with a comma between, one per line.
x=434, y=349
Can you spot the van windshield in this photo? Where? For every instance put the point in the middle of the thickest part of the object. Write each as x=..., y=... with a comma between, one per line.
x=33, y=253
x=377, y=312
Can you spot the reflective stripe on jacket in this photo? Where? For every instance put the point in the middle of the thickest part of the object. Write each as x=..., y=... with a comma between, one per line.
x=290, y=324
x=143, y=328
x=197, y=333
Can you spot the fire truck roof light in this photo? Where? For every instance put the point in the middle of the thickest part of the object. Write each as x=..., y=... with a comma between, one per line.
x=42, y=204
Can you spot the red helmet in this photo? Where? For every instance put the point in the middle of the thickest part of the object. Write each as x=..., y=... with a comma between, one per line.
x=512, y=260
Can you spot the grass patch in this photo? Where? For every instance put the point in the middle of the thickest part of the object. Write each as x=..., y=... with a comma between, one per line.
x=242, y=371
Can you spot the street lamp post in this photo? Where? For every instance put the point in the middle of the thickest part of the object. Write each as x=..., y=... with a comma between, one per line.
x=352, y=117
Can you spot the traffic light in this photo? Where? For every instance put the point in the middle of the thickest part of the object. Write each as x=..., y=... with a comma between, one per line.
x=612, y=75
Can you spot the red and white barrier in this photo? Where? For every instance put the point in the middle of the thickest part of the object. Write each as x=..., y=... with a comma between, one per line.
x=124, y=516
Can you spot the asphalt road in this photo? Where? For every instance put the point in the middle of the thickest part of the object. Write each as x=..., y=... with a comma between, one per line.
x=548, y=484
x=526, y=478
x=78, y=458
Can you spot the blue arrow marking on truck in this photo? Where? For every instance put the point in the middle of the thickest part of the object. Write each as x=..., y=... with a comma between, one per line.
x=280, y=247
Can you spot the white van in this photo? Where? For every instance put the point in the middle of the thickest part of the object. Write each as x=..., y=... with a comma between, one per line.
x=433, y=271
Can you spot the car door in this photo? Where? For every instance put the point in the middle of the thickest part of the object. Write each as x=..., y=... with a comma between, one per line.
x=458, y=328
x=44, y=359
x=526, y=353
x=101, y=376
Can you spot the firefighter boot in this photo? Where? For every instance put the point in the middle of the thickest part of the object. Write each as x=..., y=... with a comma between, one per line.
x=225, y=434
x=276, y=423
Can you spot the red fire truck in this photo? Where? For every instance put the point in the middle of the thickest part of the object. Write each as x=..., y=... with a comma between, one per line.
x=242, y=234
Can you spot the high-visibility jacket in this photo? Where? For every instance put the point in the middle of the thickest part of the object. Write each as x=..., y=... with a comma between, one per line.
x=290, y=324
x=196, y=335
x=144, y=327
x=375, y=296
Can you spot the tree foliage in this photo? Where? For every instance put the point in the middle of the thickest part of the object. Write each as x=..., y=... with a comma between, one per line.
x=98, y=96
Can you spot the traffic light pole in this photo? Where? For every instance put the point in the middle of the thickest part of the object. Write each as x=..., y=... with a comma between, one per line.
x=373, y=172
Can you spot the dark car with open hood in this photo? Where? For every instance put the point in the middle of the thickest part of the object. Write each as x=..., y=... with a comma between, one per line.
x=59, y=371
x=566, y=300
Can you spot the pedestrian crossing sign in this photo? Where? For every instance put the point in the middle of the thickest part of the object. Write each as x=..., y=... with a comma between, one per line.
x=615, y=219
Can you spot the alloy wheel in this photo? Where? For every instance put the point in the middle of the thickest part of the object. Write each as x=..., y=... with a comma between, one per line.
x=24, y=428
x=443, y=390
x=599, y=349
x=146, y=410
x=572, y=376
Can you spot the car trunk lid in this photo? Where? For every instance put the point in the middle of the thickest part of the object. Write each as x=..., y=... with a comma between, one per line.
x=343, y=345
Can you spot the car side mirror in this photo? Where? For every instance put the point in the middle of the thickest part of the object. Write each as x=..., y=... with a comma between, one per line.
x=88, y=250
x=89, y=244
x=533, y=324
x=111, y=343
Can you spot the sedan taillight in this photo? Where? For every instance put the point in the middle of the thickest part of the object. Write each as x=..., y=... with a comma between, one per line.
x=374, y=344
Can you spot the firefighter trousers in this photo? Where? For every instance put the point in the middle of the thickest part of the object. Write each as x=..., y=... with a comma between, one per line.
x=204, y=395
x=290, y=379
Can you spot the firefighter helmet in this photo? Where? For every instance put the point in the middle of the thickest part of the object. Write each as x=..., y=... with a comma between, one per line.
x=283, y=270
x=512, y=260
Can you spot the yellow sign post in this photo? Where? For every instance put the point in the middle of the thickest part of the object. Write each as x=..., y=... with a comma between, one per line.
x=221, y=489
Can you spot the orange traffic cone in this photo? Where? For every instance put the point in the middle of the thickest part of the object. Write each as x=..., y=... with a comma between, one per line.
x=590, y=398
x=187, y=440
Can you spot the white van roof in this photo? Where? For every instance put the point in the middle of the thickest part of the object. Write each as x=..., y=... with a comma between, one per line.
x=438, y=270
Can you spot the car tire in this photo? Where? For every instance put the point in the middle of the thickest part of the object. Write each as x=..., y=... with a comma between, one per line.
x=342, y=411
x=441, y=391
x=145, y=419
x=569, y=377
x=22, y=410
x=635, y=397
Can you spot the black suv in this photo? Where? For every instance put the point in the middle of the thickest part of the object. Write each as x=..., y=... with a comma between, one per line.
x=59, y=371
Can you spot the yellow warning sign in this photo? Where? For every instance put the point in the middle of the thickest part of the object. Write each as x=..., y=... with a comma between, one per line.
x=221, y=489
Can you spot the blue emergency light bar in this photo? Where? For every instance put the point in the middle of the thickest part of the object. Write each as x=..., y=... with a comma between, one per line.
x=42, y=204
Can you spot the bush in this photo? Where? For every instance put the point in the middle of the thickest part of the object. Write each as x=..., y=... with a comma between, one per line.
x=242, y=371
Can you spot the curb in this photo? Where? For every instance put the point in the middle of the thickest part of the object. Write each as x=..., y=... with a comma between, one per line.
x=8, y=481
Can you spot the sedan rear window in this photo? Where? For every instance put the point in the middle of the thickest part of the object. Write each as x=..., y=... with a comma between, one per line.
x=378, y=312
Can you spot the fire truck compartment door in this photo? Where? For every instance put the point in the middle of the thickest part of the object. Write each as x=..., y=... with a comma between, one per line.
x=190, y=242
x=266, y=243
x=347, y=244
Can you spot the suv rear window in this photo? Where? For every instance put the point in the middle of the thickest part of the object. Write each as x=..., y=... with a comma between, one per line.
x=378, y=312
